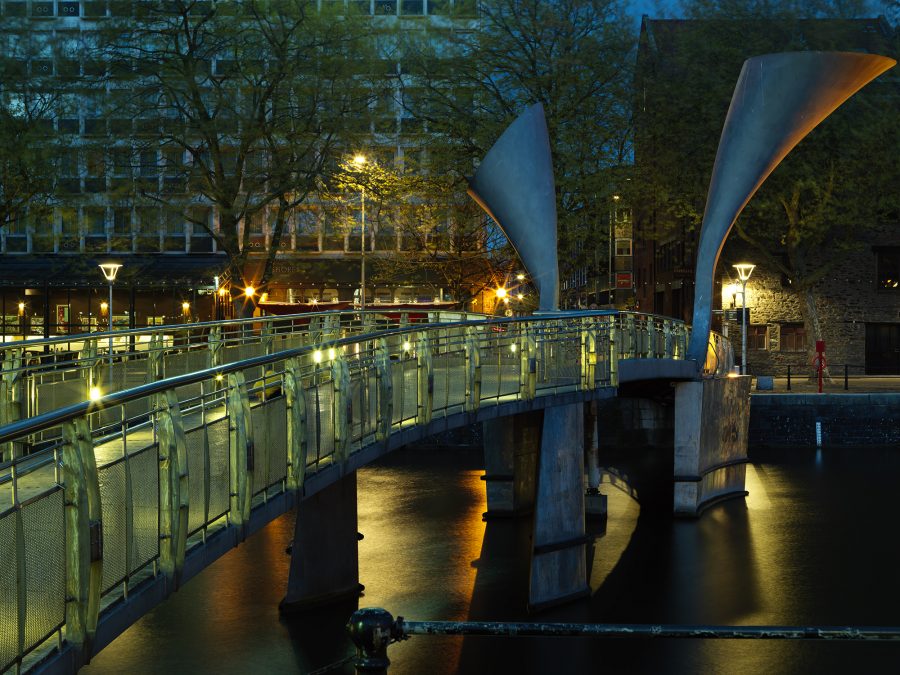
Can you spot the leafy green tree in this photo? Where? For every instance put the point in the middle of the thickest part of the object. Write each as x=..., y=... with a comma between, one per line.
x=248, y=103
x=574, y=57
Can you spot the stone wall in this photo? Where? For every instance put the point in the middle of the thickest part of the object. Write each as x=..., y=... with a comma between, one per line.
x=789, y=420
x=846, y=299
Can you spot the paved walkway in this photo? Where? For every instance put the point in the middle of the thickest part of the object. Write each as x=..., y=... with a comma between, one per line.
x=858, y=384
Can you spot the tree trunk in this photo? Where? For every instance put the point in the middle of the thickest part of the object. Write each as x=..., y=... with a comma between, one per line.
x=813, y=330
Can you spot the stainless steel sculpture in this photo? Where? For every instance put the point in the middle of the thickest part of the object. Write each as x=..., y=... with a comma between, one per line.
x=514, y=185
x=777, y=101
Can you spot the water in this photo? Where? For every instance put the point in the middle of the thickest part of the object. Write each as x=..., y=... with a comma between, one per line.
x=814, y=543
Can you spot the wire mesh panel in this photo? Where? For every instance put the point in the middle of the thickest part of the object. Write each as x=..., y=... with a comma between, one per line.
x=144, y=469
x=195, y=442
x=406, y=389
x=9, y=596
x=113, y=500
x=43, y=523
x=276, y=413
x=219, y=468
x=261, y=444
x=55, y=395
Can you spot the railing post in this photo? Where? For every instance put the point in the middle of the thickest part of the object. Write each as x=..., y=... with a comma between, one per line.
x=425, y=372
x=651, y=338
x=90, y=356
x=667, y=339
x=84, y=535
x=295, y=402
x=11, y=397
x=614, y=354
x=214, y=353
x=155, y=349
x=630, y=341
x=315, y=330
x=174, y=488
x=528, y=363
x=267, y=338
x=383, y=368
x=588, y=354
x=473, y=370
x=241, y=450
x=340, y=377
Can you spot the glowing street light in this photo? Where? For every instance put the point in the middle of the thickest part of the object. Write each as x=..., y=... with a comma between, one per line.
x=249, y=291
x=359, y=161
x=110, y=270
x=744, y=271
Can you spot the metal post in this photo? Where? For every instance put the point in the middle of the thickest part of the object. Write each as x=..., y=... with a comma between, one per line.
x=743, y=326
x=362, y=247
x=110, y=334
x=789, y=378
x=846, y=379
x=372, y=630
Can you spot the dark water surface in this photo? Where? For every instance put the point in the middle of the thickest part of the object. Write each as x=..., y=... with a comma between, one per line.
x=816, y=542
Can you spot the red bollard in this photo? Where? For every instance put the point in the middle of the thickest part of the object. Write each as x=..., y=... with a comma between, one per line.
x=819, y=361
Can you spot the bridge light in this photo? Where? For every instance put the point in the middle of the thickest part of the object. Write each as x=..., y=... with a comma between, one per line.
x=220, y=377
x=512, y=348
x=500, y=292
x=331, y=353
x=222, y=292
x=249, y=291
x=406, y=345
x=521, y=296
x=317, y=356
x=520, y=277
x=21, y=308
x=95, y=394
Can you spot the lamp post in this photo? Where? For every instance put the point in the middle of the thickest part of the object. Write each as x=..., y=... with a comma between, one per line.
x=744, y=271
x=613, y=216
x=110, y=270
x=360, y=161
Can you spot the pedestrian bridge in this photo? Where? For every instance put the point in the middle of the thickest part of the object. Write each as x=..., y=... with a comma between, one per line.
x=131, y=461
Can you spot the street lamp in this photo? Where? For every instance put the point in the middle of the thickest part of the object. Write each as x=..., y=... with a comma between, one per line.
x=613, y=216
x=744, y=271
x=110, y=270
x=359, y=161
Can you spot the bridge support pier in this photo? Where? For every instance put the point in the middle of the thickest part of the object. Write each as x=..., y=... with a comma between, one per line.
x=511, y=446
x=558, y=560
x=711, y=421
x=324, y=555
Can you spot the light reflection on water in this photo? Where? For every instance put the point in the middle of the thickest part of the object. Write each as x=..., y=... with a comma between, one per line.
x=814, y=543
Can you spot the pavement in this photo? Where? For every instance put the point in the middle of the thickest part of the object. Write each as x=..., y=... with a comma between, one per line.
x=855, y=384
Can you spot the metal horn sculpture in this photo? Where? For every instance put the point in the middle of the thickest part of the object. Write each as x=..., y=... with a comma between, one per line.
x=777, y=101
x=514, y=185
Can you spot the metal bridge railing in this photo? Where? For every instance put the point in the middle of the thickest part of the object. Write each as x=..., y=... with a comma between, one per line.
x=117, y=490
x=43, y=375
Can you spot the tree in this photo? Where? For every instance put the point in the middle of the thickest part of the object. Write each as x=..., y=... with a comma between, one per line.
x=29, y=105
x=818, y=204
x=574, y=57
x=245, y=102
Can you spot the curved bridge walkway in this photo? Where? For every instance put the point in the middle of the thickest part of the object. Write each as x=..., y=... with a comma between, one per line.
x=198, y=436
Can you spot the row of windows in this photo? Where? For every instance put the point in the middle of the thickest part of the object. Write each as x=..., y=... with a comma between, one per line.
x=792, y=337
x=98, y=9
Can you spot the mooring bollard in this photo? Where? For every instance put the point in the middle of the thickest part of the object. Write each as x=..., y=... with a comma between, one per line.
x=372, y=630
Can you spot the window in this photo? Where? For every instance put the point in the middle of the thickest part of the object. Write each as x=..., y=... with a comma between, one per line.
x=94, y=221
x=623, y=247
x=793, y=337
x=888, y=269
x=757, y=337
x=122, y=222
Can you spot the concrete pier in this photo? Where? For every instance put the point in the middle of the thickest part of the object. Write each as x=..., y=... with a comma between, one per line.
x=511, y=446
x=711, y=422
x=558, y=562
x=325, y=555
